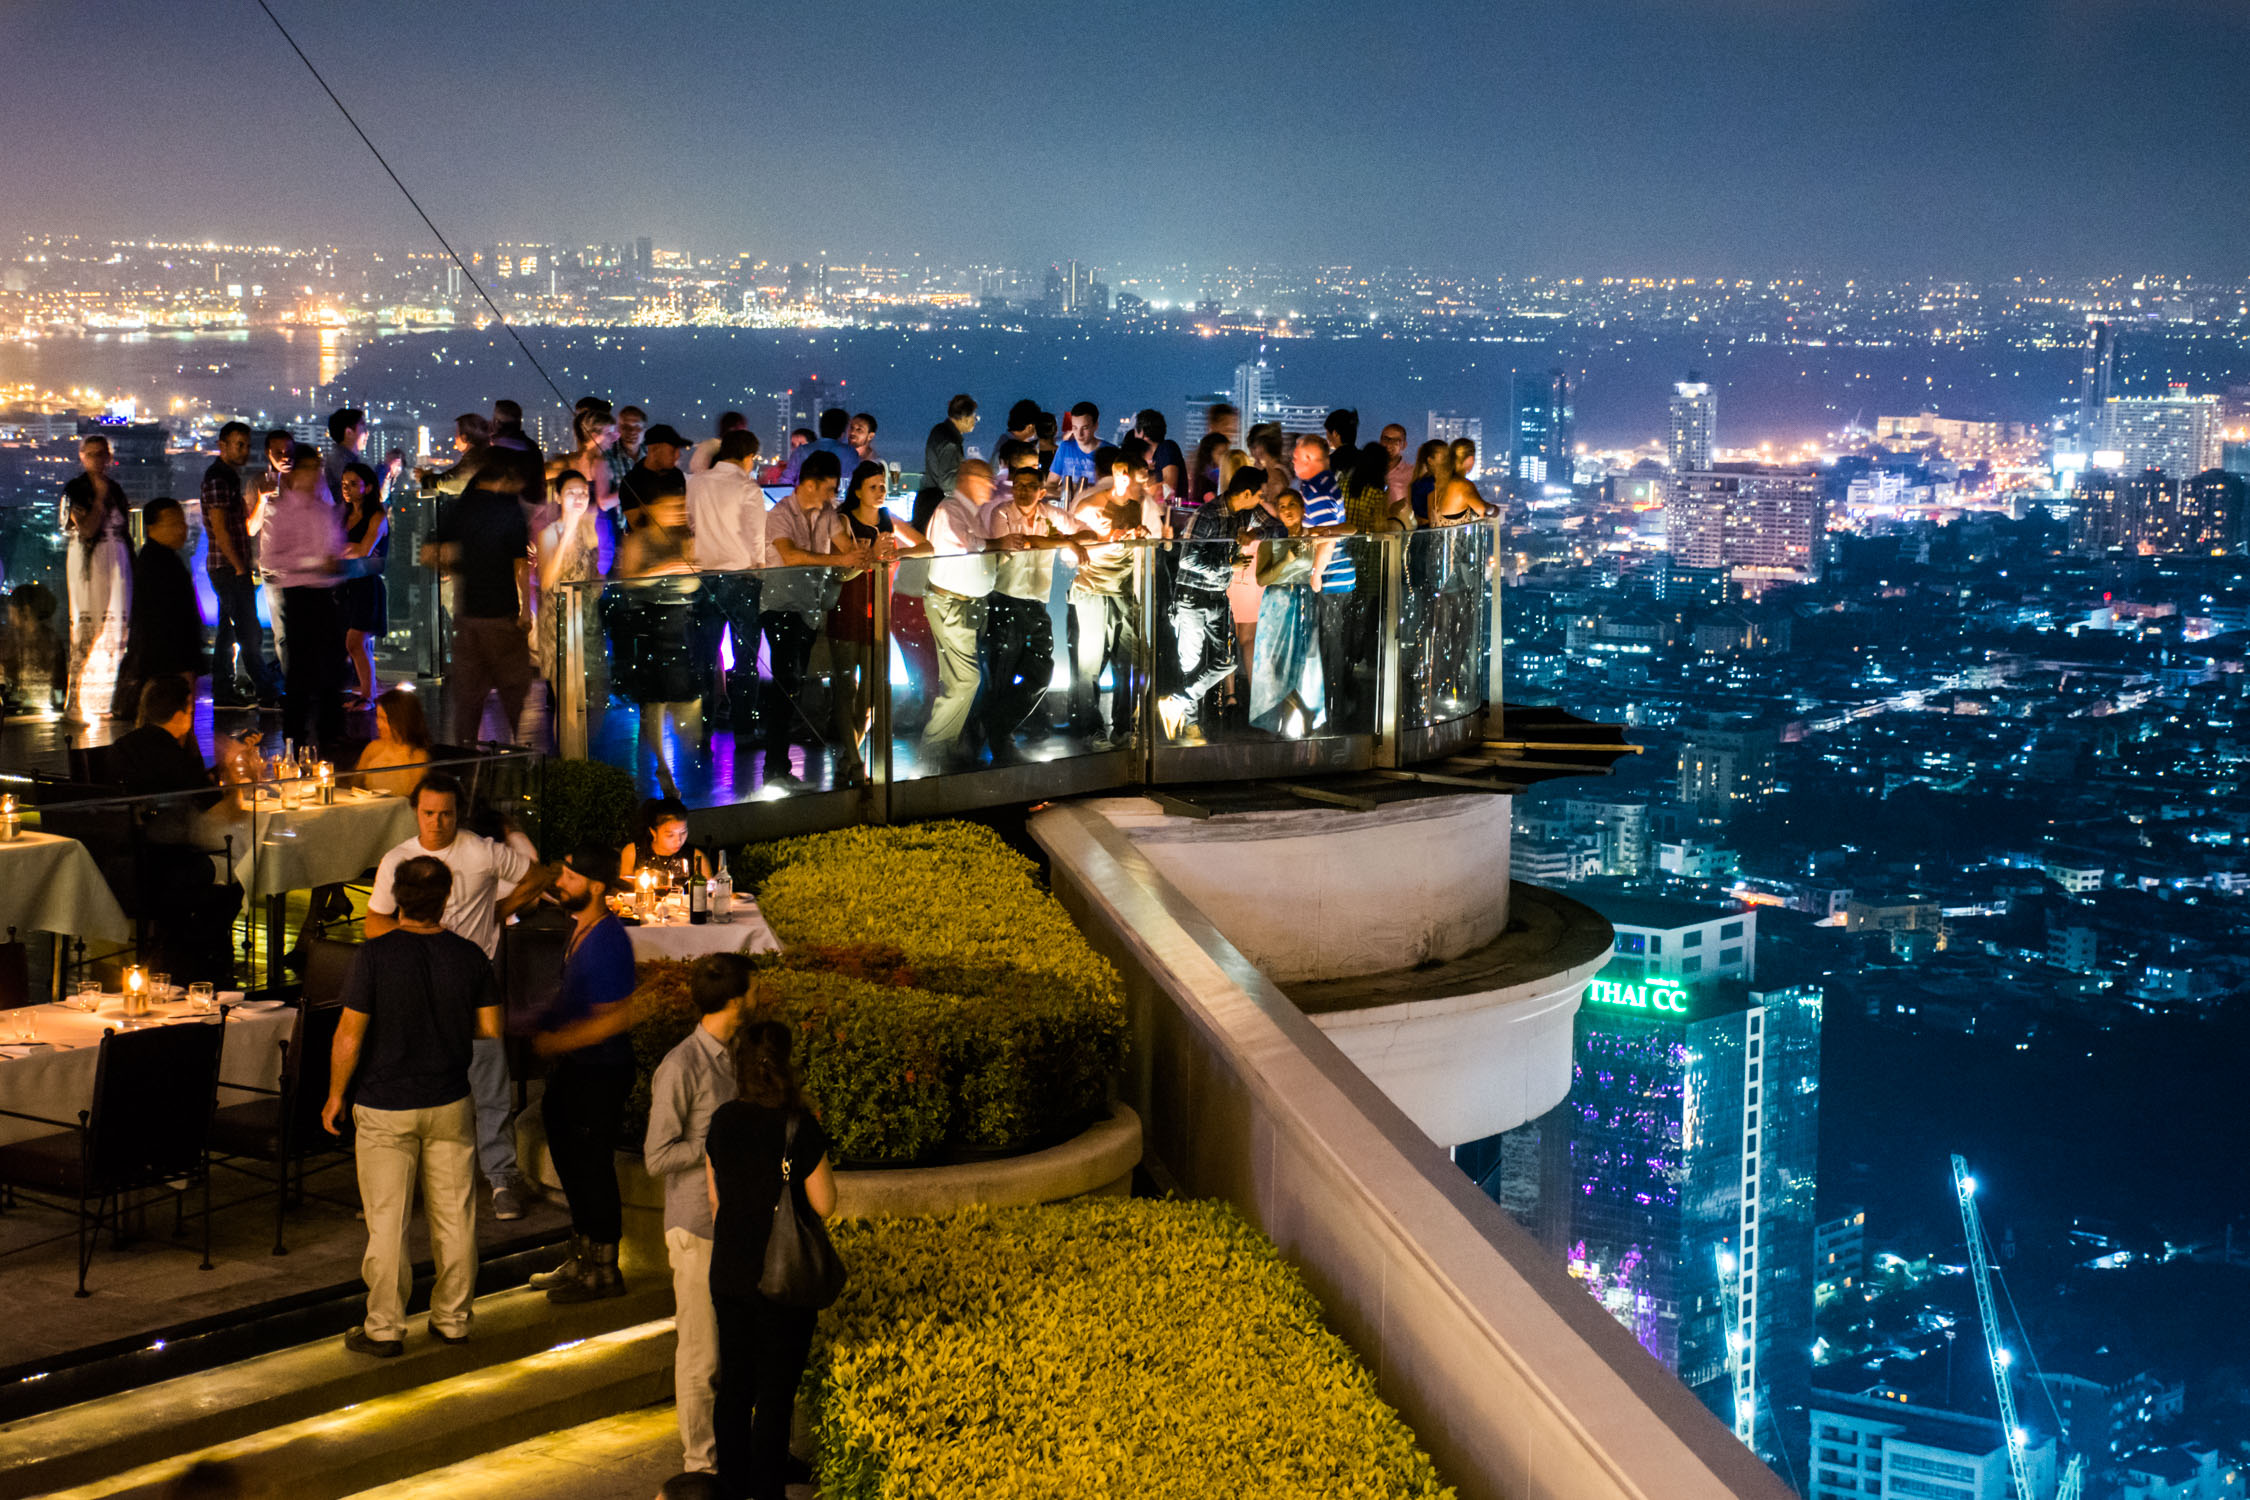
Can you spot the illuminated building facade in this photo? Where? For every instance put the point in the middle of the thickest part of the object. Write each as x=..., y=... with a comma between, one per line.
x=1725, y=769
x=1677, y=1181
x=1540, y=436
x=2177, y=433
x=2149, y=513
x=1964, y=442
x=1764, y=524
x=1695, y=423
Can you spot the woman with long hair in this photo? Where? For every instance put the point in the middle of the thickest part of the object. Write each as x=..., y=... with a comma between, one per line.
x=402, y=740
x=854, y=674
x=364, y=600
x=1288, y=691
x=750, y=1158
x=661, y=844
x=1433, y=471
x=570, y=552
x=95, y=517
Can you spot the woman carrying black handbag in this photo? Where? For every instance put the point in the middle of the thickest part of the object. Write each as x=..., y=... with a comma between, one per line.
x=766, y=1157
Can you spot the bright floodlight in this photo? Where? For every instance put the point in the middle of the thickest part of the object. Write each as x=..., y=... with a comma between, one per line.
x=1968, y=1185
x=2006, y=1359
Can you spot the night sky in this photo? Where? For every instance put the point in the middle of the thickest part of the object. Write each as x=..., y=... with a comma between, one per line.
x=1977, y=138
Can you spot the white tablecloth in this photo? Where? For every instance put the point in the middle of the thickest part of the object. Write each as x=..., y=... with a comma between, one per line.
x=58, y=1081
x=295, y=849
x=747, y=933
x=51, y=884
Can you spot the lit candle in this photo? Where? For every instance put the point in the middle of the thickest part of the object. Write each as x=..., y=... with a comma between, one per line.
x=326, y=774
x=136, y=990
x=11, y=825
x=646, y=881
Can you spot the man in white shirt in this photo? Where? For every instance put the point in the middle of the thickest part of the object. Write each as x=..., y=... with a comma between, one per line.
x=1105, y=606
x=808, y=548
x=954, y=600
x=1019, y=636
x=727, y=512
x=491, y=882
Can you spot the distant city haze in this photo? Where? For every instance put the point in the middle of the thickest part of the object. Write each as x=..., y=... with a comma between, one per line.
x=1742, y=137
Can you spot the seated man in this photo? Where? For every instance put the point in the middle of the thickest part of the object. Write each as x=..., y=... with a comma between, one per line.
x=188, y=926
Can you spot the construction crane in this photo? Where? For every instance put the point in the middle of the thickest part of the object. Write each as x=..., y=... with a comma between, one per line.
x=1737, y=1347
x=1980, y=1269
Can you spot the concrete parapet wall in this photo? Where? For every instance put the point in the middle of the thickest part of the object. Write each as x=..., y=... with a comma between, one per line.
x=1292, y=890
x=1519, y=1384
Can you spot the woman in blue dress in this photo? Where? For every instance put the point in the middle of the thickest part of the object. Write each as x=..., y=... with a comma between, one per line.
x=1288, y=694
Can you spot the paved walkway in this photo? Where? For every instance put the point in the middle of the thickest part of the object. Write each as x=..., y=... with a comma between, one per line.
x=625, y=1457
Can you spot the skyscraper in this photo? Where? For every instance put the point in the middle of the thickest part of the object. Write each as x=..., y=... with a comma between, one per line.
x=1765, y=524
x=644, y=255
x=1678, y=1181
x=2175, y=432
x=1695, y=422
x=1725, y=769
x=1540, y=436
x=2096, y=377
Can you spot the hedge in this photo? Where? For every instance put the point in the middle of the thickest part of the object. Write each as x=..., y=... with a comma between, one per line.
x=1107, y=1347
x=941, y=997
x=584, y=801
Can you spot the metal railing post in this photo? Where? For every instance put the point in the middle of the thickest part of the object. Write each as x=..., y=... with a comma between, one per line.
x=1146, y=727
x=875, y=795
x=1495, y=704
x=1388, y=688
x=570, y=694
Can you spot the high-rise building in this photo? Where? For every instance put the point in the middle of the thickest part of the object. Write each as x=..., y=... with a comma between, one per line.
x=2150, y=514
x=1963, y=441
x=1540, y=435
x=1879, y=1445
x=1695, y=424
x=1678, y=1181
x=2177, y=433
x=1661, y=937
x=1726, y=768
x=1765, y=524
x=1839, y=1255
x=644, y=255
x=1445, y=426
x=2097, y=377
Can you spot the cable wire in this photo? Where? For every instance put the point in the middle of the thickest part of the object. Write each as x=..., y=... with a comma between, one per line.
x=498, y=316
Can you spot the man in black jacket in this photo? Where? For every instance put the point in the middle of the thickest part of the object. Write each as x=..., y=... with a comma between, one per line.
x=164, y=632
x=941, y=458
x=167, y=879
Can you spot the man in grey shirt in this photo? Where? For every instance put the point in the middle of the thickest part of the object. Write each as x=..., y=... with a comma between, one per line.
x=695, y=1078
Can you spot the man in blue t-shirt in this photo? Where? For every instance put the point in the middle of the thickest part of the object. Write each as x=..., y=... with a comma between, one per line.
x=1344, y=646
x=833, y=424
x=586, y=1034
x=416, y=999
x=1074, y=455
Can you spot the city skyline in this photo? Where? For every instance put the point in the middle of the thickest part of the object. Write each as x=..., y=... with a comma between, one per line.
x=1885, y=138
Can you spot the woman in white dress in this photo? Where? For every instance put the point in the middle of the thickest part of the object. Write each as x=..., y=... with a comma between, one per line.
x=94, y=517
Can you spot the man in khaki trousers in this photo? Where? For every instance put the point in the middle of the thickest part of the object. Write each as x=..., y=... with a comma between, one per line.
x=695, y=1078
x=418, y=996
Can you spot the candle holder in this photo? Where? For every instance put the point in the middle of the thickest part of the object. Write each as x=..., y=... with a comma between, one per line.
x=11, y=821
x=645, y=883
x=136, y=991
x=325, y=775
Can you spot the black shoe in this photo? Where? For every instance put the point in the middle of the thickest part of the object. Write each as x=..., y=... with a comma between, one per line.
x=447, y=1338
x=358, y=1342
x=569, y=1273
x=598, y=1279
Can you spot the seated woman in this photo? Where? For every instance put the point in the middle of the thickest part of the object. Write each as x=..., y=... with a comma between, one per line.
x=402, y=739
x=662, y=844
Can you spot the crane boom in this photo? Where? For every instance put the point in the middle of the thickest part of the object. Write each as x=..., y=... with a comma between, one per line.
x=1996, y=1353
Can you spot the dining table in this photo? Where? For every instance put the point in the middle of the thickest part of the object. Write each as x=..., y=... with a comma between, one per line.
x=49, y=883
x=52, y=1073
x=746, y=932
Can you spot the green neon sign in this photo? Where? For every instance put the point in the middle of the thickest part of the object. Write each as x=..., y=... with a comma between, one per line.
x=1658, y=994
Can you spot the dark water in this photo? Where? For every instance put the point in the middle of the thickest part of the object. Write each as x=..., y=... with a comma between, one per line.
x=688, y=376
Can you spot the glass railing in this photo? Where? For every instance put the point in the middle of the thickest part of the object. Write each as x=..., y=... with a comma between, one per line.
x=968, y=679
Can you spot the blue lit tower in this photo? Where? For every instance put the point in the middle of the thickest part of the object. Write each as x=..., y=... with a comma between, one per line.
x=1540, y=437
x=1692, y=1129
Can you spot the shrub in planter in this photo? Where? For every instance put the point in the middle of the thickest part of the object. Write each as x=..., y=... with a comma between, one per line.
x=872, y=1056
x=1106, y=1347
x=1042, y=1016
x=582, y=801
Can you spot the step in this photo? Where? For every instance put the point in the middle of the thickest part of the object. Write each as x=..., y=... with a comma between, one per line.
x=625, y=1457
x=408, y=1432
x=90, y=1441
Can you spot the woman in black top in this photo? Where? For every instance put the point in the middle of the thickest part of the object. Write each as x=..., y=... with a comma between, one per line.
x=762, y=1345
x=364, y=600
x=851, y=621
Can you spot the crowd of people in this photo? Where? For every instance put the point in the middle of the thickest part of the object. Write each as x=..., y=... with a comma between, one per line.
x=713, y=600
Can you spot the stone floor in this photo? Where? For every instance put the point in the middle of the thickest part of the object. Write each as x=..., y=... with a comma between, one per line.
x=625, y=1457
x=152, y=1284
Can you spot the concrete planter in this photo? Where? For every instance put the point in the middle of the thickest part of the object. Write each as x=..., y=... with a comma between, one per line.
x=1099, y=1161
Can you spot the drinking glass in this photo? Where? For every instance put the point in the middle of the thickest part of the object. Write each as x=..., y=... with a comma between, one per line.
x=202, y=998
x=23, y=1025
x=89, y=995
x=159, y=988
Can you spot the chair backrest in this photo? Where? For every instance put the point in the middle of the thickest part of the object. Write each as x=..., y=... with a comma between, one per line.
x=305, y=1088
x=154, y=1091
x=15, y=973
x=328, y=963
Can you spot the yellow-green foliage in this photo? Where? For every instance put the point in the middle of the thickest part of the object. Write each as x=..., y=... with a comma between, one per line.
x=965, y=913
x=1108, y=1347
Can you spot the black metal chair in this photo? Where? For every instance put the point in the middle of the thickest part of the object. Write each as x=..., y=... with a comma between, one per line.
x=328, y=963
x=150, y=1127
x=282, y=1127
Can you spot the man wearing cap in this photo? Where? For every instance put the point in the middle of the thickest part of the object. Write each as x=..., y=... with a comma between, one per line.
x=942, y=453
x=586, y=1037
x=660, y=454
